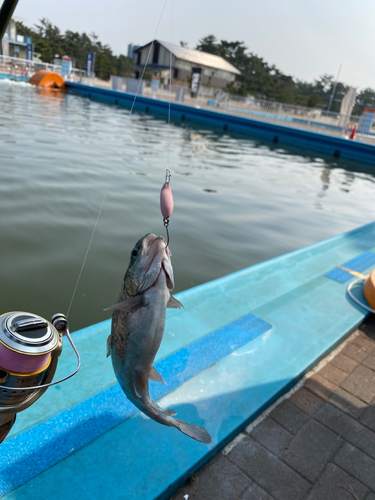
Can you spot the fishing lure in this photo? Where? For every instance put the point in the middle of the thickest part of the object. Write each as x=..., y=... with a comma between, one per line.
x=166, y=201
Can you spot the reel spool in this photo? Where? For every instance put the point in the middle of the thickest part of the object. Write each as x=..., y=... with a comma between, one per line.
x=29, y=350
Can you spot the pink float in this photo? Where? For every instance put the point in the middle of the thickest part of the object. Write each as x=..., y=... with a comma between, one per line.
x=166, y=200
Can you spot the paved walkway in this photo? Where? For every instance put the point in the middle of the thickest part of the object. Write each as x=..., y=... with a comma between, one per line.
x=317, y=443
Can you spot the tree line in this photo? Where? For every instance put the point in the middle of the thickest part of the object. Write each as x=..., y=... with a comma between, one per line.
x=257, y=78
x=50, y=42
x=262, y=80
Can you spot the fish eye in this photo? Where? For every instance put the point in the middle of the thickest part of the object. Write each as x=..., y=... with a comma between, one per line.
x=135, y=252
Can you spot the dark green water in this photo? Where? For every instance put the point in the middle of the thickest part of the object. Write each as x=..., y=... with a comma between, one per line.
x=237, y=201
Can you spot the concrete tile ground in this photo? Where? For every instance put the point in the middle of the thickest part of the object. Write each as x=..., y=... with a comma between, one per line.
x=318, y=443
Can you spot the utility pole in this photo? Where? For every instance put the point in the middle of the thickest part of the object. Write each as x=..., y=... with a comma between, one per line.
x=334, y=89
x=6, y=13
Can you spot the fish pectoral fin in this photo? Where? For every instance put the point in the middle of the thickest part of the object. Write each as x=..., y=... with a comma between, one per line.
x=155, y=376
x=173, y=303
x=130, y=304
x=140, y=383
x=108, y=345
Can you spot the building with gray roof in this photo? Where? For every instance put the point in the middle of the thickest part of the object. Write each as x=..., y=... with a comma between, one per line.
x=216, y=71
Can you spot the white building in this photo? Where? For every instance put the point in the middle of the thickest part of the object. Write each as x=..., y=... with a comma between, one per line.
x=216, y=71
x=14, y=45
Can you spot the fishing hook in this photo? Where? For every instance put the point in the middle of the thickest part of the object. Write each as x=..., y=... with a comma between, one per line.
x=166, y=224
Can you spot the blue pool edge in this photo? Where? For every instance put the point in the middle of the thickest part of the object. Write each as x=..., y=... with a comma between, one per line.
x=334, y=146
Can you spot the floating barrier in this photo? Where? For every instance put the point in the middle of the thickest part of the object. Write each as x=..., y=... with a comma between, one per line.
x=47, y=80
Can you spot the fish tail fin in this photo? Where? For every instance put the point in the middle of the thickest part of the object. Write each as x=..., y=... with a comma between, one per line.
x=194, y=431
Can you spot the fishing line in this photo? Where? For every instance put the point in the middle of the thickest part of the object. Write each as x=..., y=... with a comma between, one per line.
x=148, y=56
x=170, y=87
x=110, y=175
x=168, y=172
x=90, y=242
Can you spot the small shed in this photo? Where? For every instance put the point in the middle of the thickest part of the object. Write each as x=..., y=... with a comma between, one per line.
x=216, y=71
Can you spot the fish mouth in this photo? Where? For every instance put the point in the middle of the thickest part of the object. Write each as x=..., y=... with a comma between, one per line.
x=157, y=256
x=154, y=251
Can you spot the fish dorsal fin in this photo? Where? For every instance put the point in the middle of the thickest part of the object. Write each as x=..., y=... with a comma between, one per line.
x=130, y=304
x=155, y=376
x=170, y=413
x=109, y=345
x=173, y=303
x=140, y=383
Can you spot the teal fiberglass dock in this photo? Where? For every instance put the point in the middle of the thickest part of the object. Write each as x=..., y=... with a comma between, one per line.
x=239, y=344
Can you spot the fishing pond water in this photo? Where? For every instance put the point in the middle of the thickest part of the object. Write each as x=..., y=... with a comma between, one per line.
x=238, y=201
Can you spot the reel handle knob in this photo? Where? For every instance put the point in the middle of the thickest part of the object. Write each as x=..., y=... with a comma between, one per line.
x=60, y=322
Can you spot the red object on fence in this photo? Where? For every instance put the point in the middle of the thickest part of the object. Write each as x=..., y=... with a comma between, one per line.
x=352, y=135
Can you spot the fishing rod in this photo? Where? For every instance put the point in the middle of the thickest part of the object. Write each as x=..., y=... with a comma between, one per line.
x=6, y=12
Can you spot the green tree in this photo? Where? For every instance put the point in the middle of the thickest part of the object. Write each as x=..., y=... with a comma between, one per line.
x=124, y=65
x=76, y=45
x=209, y=44
x=51, y=34
x=257, y=78
x=49, y=42
x=365, y=99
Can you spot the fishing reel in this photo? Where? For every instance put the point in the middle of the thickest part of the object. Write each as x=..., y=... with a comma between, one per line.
x=29, y=350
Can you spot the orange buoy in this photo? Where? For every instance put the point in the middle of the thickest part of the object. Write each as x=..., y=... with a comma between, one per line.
x=47, y=79
x=369, y=289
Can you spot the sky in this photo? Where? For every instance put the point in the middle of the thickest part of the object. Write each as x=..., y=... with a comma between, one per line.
x=302, y=38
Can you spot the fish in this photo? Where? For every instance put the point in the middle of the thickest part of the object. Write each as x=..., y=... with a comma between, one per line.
x=137, y=329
